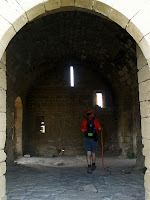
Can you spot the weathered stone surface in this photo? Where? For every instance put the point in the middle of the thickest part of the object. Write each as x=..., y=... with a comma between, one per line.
x=138, y=50
x=3, y=122
x=147, y=180
x=2, y=66
x=147, y=195
x=144, y=44
x=147, y=162
x=51, y=5
x=145, y=124
x=144, y=90
x=103, y=6
x=2, y=186
x=2, y=100
x=84, y=3
x=2, y=140
x=2, y=50
x=7, y=32
x=2, y=156
x=3, y=79
x=146, y=149
x=32, y=8
x=3, y=60
x=146, y=143
x=141, y=61
x=144, y=74
x=145, y=109
x=67, y=3
x=2, y=168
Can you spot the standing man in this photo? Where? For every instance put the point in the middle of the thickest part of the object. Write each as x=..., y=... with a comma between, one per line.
x=90, y=127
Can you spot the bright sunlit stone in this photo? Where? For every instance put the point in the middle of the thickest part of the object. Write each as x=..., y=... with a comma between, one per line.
x=71, y=76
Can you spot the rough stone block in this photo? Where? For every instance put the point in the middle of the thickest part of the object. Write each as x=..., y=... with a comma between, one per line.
x=138, y=50
x=2, y=50
x=2, y=156
x=103, y=7
x=13, y=13
x=3, y=122
x=7, y=32
x=144, y=74
x=139, y=24
x=67, y=3
x=2, y=140
x=148, y=62
x=32, y=8
x=144, y=44
x=147, y=162
x=2, y=66
x=3, y=79
x=144, y=90
x=3, y=60
x=2, y=168
x=147, y=195
x=145, y=109
x=2, y=100
x=145, y=124
x=2, y=186
x=51, y=5
x=141, y=61
x=146, y=143
x=84, y=3
x=147, y=180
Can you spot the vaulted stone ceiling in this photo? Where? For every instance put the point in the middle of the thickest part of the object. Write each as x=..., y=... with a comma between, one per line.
x=77, y=38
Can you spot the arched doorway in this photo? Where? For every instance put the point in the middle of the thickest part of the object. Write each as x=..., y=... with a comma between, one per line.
x=125, y=15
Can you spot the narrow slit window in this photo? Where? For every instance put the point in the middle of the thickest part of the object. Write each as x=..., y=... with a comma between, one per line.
x=99, y=99
x=71, y=76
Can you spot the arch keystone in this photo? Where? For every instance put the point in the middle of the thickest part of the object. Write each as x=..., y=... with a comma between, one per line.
x=52, y=5
x=67, y=3
x=84, y=4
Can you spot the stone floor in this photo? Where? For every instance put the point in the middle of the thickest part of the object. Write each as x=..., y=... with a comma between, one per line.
x=65, y=178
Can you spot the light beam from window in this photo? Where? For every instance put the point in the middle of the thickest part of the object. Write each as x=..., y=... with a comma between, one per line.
x=71, y=76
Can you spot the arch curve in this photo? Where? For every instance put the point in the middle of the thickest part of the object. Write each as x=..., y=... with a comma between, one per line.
x=15, y=14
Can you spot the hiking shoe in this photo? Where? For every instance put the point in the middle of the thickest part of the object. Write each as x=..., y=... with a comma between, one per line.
x=93, y=167
x=89, y=170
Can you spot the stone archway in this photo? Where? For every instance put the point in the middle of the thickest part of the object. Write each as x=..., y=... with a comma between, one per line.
x=132, y=16
x=18, y=112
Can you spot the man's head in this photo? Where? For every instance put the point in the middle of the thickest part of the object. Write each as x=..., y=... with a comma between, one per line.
x=90, y=113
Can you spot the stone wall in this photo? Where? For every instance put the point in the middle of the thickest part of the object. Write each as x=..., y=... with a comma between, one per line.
x=2, y=126
x=63, y=108
x=143, y=79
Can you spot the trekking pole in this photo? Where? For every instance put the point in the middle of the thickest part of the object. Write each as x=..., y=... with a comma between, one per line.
x=102, y=149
